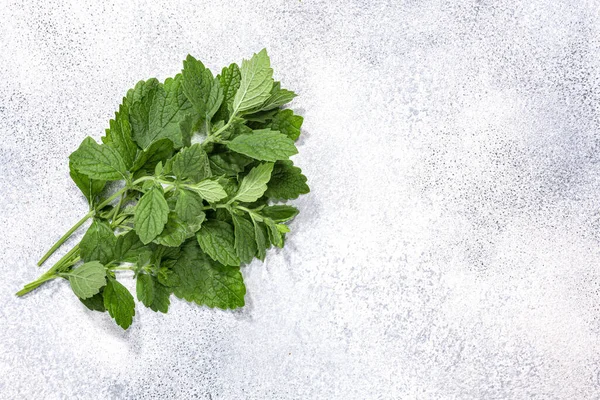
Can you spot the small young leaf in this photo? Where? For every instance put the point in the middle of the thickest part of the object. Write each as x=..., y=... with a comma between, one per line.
x=98, y=243
x=98, y=161
x=255, y=183
x=119, y=303
x=216, y=239
x=256, y=83
x=262, y=243
x=265, y=145
x=279, y=213
x=274, y=234
x=88, y=279
x=151, y=214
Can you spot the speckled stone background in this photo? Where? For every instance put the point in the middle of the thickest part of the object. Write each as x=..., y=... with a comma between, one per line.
x=449, y=248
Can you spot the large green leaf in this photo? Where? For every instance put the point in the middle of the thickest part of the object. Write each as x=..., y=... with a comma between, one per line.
x=265, y=145
x=191, y=163
x=87, y=279
x=201, y=88
x=254, y=184
x=287, y=182
x=98, y=243
x=119, y=303
x=98, y=161
x=151, y=214
x=195, y=277
x=256, y=83
x=216, y=239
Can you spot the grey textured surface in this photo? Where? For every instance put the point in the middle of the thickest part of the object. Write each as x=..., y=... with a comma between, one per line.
x=449, y=247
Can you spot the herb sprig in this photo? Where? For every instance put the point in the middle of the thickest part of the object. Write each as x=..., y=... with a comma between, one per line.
x=194, y=165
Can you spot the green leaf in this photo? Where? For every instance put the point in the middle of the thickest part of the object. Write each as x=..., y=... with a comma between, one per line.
x=168, y=109
x=118, y=136
x=87, y=279
x=89, y=187
x=195, y=277
x=203, y=91
x=256, y=83
x=245, y=243
x=151, y=214
x=209, y=190
x=262, y=243
x=235, y=129
x=95, y=303
x=229, y=79
x=189, y=205
x=191, y=163
x=287, y=182
x=139, y=111
x=255, y=183
x=98, y=161
x=261, y=117
x=228, y=163
x=194, y=225
x=287, y=123
x=159, y=113
x=158, y=151
x=98, y=243
x=188, y=126
x=264, y=144
x=142, y=90
x=274, y=234
x=278, y=98
x=119, y=303
x=128, y=247
x=217, y=240
x=279, y=213
x=152, y=293
x=174, y=233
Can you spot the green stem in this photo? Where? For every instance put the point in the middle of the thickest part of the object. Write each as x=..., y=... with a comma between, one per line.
x=67, y=257
x=65, y=237
x=115, y=211
x=215, y=136
x=52, y=273
x=78, y=224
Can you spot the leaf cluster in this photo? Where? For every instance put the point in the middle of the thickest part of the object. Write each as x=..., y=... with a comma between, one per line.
x=181, y=189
